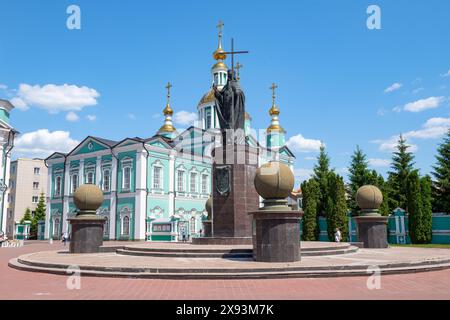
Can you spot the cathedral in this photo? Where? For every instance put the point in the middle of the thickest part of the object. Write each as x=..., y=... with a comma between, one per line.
x=155, y=188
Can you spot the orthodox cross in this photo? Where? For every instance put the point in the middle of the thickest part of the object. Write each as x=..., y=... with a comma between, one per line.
x=168, y=91
x=232, y=52
x=238, y=68
x=220, y=27
x=273, y=88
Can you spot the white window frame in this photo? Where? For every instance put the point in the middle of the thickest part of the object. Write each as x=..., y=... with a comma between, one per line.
x=122, y=220
x=108, y=185
x=34, y=198
x=195, y=173
x=35, y=183
x=127, y=164
x=205, y=183
x=58, y=186
x=38, y=170
x=92, y=173
x=72, y=189
x=161, y=175
x=181, y=173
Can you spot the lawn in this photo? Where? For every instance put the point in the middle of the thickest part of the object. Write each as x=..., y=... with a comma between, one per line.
x=431, y=245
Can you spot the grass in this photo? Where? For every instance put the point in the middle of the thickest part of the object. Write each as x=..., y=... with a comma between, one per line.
x=431, y=245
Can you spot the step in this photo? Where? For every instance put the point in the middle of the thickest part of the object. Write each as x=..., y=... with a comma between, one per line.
x=14, y=263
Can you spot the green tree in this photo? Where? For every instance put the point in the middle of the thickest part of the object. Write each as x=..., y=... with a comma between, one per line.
x=427, y=212
x=441, y=174
x=321, y=171
x=419, y=208
x=402, y=165
x=39, y=215
x=311, y=197
x=336, y=206
x=377, y=180
x=27, y=216
x=359, y=175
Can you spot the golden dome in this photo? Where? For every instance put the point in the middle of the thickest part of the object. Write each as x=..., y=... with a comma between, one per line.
x=218, y=65
x=275, y=127
x=167, y=128
x=208, y=97
x=168, y=110
x=274, y=111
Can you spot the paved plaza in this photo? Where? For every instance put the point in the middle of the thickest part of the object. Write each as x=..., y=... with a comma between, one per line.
x=30, y=285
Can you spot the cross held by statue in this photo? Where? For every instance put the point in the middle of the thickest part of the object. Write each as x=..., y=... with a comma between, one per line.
x=232, y=52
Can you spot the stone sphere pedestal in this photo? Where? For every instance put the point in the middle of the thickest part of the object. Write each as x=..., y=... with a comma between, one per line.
x=87, y=227
x=372, y=231
x=87, y=234
x=276, y=235
x=371, y=226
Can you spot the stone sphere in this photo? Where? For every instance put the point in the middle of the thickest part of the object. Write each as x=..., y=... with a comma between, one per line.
x=369, y=197
x=208, y=206
x=274, y=180
x=88, y=197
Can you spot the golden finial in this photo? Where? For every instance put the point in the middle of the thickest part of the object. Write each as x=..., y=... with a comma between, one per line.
x=274, y=110
x=238, y=68
x=168, y=110
x=219, y=54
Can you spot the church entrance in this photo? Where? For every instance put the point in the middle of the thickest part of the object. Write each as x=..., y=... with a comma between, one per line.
x=183, y=229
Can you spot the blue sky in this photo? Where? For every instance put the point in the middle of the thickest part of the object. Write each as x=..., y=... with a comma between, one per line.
x=333, y=72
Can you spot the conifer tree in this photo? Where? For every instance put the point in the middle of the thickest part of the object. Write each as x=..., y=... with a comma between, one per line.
x=311, y=195
x=427, y=212
x=39, y=215
x=441, y=174
x=321, y=171
x=359, y=175
x=417, y=223
x=402, y=166
x=336, y=206
x=27, y=216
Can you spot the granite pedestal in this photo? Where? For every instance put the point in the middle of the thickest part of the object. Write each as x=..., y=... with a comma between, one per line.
x=236, y=164
x=276, y=235
x=372, y=231
x=87, y=234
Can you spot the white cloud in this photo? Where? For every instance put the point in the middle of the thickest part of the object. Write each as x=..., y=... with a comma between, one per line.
x=417, y=90
x=300, y=144
x=42, y=143
x=56, y=98
x=19, y=104
x=432, y=129
x=424, y=104
x=91, y=117
x=310, y=158
x=437, y=122
x=393, y=87
x=446, y=74
x=303, y=174
x=72, y=116
x=379, y=162
x=3, y=86
x=185, y=118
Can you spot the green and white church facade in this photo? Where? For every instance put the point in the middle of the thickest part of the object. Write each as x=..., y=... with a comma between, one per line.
x=155, y=189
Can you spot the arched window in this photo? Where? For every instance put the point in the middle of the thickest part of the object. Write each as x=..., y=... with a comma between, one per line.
x=193, y=182
x=90, y=178
x=126, y=184
x=74, y=182
x=106, y=179
x=126, y=226
x=204, y=183
x=180, y=180
x=58, y=186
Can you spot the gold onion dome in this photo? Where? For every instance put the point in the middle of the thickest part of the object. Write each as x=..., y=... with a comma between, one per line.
x=219, y=54
x=275, y=127
x=219, y=65
x=274, y=111
x=168, y=110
